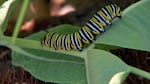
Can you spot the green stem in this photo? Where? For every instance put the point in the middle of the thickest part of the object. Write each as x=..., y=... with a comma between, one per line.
x=22, y=42
x=27, y=43
x=140, y=72
x=20, y=20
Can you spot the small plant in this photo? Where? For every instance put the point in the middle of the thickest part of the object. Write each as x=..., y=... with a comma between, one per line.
x=94, y=65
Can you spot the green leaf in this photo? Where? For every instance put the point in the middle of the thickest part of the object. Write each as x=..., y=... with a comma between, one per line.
x=103, y=68
x=132, y=30
x=50, y=66
x=118, y=78
x=105, y=47
x=64, y=29
x=61, y=29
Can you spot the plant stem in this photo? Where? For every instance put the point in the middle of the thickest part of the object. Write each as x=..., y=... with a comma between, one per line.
x=22, y=42
x=34, y=44
x=1, y=34
x=20, y=20
x=139, y=72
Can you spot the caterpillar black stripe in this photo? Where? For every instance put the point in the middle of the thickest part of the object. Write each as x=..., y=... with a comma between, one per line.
x=96, y=25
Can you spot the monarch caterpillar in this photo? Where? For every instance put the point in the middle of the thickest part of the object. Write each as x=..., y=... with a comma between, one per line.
x=87, y=33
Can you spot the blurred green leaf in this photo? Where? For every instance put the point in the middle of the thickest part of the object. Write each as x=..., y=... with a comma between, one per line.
x=103, y=66
x=2, y=1
x=132, y=30
x=64, y=29
x=6, y=11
